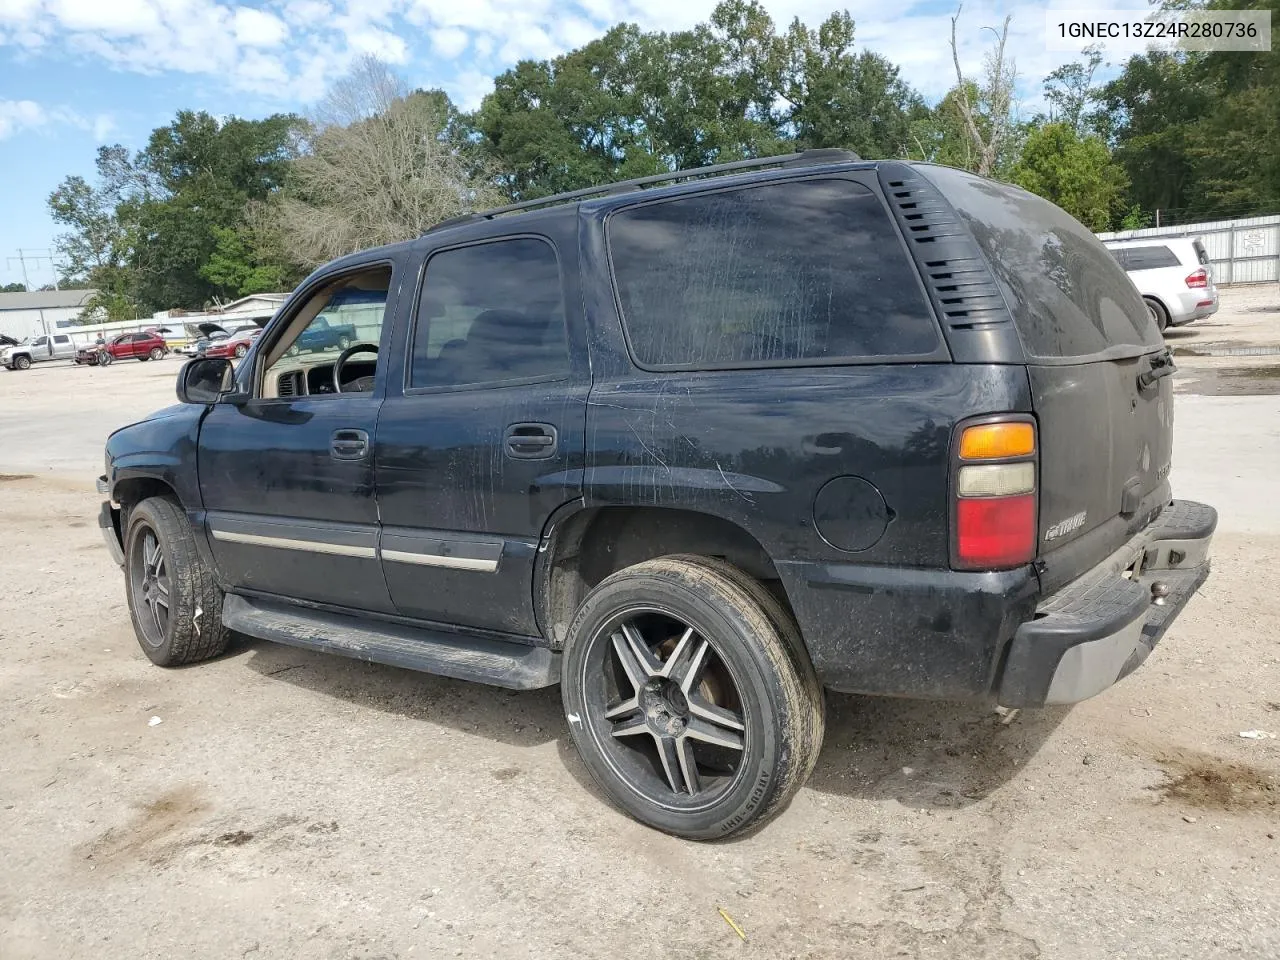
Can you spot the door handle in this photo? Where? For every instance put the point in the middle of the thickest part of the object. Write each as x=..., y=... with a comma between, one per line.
x=530, y=441
x=349, y=445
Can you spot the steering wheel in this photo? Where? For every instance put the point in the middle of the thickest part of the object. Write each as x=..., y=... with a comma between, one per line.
x=358, y=385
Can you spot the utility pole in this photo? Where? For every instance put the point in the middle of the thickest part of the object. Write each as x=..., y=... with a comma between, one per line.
x=35, y=256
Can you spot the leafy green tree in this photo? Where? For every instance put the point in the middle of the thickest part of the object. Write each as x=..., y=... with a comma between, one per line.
x=1076, y=173
x=14, y=288
x=840, y=98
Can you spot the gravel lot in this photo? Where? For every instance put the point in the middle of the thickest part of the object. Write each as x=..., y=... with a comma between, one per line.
x=301, y=806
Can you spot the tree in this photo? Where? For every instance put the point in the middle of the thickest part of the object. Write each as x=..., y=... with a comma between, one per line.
x=200, y=174
x=839, y=98
x=986, y=106
x=380, y=164
x=14, y=288
x=1076, y=173
x=1070, y=91
x=98, y=248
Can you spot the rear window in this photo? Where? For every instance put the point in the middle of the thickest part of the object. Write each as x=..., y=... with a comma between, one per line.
x=1068, y=296
x=807, y=271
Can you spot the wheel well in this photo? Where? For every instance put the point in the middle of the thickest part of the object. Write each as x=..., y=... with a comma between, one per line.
x=590, y=545
x=136, y=489
x=1157, y=301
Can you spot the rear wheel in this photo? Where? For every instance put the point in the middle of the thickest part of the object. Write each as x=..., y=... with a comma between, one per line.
x=175, y=605
x=241, y=350
x=1158, y=314
x=157, y=353
x=690, y=698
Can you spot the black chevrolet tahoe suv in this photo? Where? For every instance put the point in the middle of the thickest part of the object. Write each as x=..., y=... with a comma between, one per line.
x=694, y=447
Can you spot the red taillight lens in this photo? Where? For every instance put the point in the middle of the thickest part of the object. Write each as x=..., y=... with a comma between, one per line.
x=1198, y=279
x=995, y=531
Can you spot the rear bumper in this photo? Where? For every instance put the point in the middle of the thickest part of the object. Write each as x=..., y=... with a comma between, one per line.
x=1103, y=625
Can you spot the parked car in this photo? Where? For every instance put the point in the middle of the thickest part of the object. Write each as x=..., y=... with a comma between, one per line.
x=1173, y=275
x=322, y=335
x=236, y=345
x=128, y=346
x=693, y=448
x=21, y=356
x=209, y=333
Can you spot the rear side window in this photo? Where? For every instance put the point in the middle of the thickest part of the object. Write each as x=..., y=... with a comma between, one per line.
x=1068, y=296
x=1150, y=258
x=805, y=271
x=488, y=313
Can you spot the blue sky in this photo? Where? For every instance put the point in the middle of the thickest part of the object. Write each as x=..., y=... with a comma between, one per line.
x=78, y=73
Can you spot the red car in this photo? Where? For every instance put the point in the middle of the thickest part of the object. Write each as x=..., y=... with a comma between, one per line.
x=136, y=346
x=236, y=345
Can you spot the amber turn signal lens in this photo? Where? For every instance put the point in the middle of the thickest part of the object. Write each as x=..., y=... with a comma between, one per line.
x=993, y=441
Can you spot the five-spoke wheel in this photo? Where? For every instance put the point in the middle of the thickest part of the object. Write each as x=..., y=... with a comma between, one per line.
x=690, y=697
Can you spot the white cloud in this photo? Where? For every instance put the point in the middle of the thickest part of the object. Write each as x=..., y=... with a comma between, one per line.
x=103, y=126
x=449, y=41
x=288, y=51
x=18, y=115
x=256, y=28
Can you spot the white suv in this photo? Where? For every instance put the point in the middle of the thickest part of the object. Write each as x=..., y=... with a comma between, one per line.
x=1173, y=275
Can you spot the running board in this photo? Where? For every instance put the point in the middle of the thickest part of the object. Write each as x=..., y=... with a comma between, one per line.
x=500, y=663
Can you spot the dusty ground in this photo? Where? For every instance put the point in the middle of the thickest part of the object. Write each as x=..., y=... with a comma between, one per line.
x=301, y=806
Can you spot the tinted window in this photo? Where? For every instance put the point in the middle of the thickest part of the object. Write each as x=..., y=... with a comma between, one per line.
x=490, y=312
x=807, y=270
x=1068, y=297
x=1150, y=258
x=62, y=339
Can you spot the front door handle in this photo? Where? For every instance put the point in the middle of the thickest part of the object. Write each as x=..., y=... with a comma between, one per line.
x=530, y=441
x=349, y=445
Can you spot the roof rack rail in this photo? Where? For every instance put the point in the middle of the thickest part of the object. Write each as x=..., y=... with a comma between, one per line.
x=801, y=159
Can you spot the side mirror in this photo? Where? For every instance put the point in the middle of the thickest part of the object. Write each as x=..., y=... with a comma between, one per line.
x=205, y=380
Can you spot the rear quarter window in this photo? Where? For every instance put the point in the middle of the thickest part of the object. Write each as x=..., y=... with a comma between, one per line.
x=1150, y=258
x=1069, y=297
x=808, y=271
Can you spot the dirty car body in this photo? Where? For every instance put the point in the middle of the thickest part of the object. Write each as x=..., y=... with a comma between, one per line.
x=843, y=412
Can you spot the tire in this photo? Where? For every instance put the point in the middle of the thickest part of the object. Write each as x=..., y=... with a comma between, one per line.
x=241, y=350
x=22, y=363
x=344, y=342
x=104, y=358
x=143, y=359
x=1158, y=314
x=161, y=561
x=157, y=353
x=725, y=691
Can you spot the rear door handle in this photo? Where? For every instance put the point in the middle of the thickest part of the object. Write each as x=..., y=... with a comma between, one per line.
x=530, y=441
x=349, y=445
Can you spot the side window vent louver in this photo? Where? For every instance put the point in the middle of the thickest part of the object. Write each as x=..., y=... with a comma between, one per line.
x=959, y=283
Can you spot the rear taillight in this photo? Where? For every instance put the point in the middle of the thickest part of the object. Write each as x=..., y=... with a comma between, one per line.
x=995, y=496
x=1198, y=279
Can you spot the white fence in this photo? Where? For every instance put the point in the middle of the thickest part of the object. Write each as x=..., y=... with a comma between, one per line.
x=1241, y=251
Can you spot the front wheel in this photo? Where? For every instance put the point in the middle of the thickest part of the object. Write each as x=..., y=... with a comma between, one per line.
x=22, y=363
x=241, y=350
x=174, y=602
x=690, y=696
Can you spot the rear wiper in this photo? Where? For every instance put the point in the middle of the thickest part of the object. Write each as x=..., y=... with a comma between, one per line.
x=1161, y=366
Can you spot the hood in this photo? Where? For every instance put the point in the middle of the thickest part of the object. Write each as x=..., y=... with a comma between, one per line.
x=209, y=329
